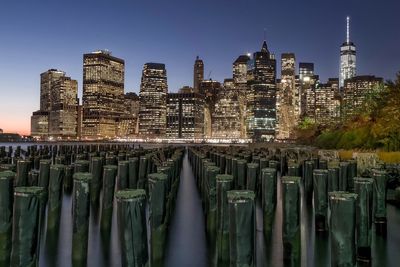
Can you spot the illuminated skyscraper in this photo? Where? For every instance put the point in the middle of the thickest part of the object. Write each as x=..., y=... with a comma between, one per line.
x=198, y=74
x=307, y=83
x=355, y=92
x=185, y=118
x=128, y=122
x=103, y=92
x=240, y=69
x=327, y=102
x=63, y=116
x=305, y=70
x=57, y=117
x=209, y=89
x=226, y=115
x=153, y=101
x=347, y=58
x=240, y=83
x=261, y=98
x=47, y=80
x=288, y=98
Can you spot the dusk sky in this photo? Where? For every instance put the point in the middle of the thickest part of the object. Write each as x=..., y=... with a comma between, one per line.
x=39, y=35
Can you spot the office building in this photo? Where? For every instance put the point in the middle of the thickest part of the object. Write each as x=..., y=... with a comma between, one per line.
x=47, y=80
x=261, y=97
x=153, y=101
x=103, y=92
x=63, y=115
x=185, y=115
x=347, y=58
x=226, y=116
x=209, y=89
x=356, y=91
x=288, y=98
x=128, y=122
x=198, y=74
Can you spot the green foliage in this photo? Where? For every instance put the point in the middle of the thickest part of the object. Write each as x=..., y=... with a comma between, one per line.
x=307, y=123
x=377, y=125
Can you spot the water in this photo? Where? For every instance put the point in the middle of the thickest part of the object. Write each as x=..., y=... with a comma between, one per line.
x=186, y=244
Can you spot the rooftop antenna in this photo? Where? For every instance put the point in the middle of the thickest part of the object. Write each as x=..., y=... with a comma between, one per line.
x=348, y=30
x=265, y=34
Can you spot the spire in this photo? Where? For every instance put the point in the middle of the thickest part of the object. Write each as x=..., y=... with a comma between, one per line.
x=348, y=30
x=197, y=57
x=264, y=47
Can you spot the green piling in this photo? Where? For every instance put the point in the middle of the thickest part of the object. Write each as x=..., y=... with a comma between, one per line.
x=132, y=227
x=363, y=187
x=109, y=177
x=268, y=198
x=252, y=176
x=320, y=178
x=224, y=184
x=23, y=168
x=242, y=228
x=133, y=173
x=28, y=208
x=68, y=178
x=291, y=220
x=342, y=228
x=55, y=196
x=380, y=191
x=308, y=179
x=241, y=174
x=80, y=214
x=6, y=211
x=158, y=183
x=96, y=169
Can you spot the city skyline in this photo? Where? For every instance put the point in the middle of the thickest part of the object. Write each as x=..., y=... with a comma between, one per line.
x=43, y=49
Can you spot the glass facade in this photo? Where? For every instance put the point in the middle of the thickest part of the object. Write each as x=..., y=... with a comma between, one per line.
x=103, y=92
x=153, y=101
x=347, y=58
x=288, y=98
x=356, y=91
x=63, y=114
x=185, y=117
x=261, y=98
x=198, y=74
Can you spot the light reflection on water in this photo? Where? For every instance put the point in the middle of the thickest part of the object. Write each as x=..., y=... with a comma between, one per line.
x=186, y=241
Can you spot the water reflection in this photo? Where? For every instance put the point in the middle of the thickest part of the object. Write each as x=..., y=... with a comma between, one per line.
x=186, y=245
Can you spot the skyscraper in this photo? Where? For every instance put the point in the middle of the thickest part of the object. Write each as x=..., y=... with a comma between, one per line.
x=185, y=118
x=347, y=58
x=153, y=101
x=306, y=69
x=47, y=80
x=355, y=92
x=308, y=81
x=327, y=102
x=128, y=122
x=240, y=69
x=198, y=74
x=240, y=83
x=209, y=89
x=288, y=98
x=261, y=102
x=103, y=92
x=57, y=117
x=226, y=115
x=63, y=116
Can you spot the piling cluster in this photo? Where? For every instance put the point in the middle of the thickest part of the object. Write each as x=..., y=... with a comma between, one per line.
x=233, y=180
x=142, y=182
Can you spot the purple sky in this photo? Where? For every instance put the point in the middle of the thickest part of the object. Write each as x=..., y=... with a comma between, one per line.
x=39, y=35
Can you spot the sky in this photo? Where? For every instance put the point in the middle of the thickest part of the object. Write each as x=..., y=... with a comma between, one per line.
x=38, y=35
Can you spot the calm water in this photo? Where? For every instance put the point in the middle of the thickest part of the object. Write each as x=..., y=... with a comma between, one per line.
x=186, y=245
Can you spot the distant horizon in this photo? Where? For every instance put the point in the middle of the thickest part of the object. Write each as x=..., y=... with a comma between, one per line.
x=38, y=36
